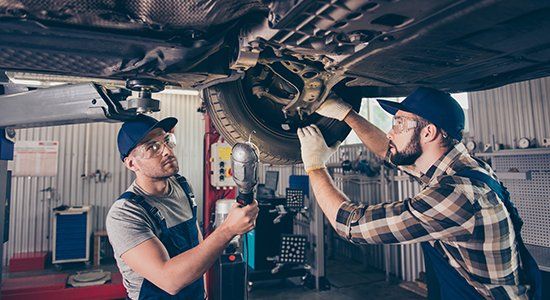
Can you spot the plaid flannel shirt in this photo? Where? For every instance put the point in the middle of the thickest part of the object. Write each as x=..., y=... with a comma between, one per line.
x=464, y=220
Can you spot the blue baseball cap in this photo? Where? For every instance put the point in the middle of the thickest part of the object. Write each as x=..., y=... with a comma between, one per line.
x=433, y=105
x=133, y=131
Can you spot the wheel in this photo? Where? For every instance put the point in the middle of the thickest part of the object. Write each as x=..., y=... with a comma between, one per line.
x=238, y=114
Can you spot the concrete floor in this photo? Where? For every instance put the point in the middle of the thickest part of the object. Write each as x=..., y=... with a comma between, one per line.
x=349, y=280
x=69, y=268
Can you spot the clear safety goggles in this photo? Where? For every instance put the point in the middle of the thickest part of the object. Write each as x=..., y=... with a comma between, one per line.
x=400, y=124
x=155, y=147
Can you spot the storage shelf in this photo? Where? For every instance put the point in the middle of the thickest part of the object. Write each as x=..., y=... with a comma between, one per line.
x=514, y=175
x=541, y=256
x=511, y=152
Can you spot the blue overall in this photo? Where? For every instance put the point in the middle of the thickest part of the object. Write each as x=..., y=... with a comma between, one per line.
x=444, y=282
x=176, y=240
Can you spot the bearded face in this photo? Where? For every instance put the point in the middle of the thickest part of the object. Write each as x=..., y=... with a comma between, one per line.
x=408, y=154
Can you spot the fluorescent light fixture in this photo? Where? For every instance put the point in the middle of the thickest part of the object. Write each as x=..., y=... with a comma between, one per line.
x=26, y=82
x=36, y=83
x=172, y=91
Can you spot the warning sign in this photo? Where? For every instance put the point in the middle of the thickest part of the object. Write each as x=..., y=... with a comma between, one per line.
x=35, y=158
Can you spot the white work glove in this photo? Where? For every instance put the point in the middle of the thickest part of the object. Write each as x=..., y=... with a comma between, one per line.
x=334, y=107
x=315, y=151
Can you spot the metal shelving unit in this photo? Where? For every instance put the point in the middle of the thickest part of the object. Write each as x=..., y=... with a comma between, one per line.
x=514, y=152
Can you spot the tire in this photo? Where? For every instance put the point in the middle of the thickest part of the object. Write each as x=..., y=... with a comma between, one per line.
x=236, y=113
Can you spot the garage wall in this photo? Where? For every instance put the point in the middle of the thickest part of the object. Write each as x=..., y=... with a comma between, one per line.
x=511, y=112
x=84, y=149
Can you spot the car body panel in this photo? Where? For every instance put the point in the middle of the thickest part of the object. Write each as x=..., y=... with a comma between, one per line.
x=388, y=47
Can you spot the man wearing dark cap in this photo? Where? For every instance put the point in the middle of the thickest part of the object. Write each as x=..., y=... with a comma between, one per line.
x=469, y=229
x=153, y=226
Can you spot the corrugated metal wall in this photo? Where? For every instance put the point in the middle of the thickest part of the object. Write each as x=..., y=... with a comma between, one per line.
x=84, y=149
x=511, y=112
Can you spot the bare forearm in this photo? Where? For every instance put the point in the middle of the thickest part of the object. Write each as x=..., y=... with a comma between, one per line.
x=327, y=195
x=371, y=136
x=191, y=265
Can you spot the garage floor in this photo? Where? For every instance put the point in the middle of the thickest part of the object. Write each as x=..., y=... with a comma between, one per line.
x=349, y=281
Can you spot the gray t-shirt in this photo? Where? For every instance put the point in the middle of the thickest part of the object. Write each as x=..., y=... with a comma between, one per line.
x=129, y=225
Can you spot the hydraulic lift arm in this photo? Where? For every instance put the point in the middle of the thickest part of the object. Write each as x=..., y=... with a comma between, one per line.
x=66, y=104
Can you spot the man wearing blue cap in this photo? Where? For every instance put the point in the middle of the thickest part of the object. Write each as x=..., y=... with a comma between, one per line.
x=153, y=226
x=469, y=229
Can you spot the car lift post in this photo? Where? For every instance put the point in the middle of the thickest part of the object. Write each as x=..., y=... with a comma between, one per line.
x=210, y=193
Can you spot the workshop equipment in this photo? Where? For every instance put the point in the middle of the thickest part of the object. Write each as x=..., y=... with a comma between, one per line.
x=28, y=261
x=268, y=189
x=263, y=240
x=228, y=274
x=144, y=103
x=221, y=173
x=211, y=193
x=229, y=278
x=89, y=278
x=244, y=162
x=273, y=250
x=72, y=231
x=223, y=206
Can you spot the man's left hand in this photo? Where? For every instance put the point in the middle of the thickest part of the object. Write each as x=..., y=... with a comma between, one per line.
x=315, y=151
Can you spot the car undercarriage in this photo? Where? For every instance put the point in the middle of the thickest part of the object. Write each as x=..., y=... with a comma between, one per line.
x=266, y=66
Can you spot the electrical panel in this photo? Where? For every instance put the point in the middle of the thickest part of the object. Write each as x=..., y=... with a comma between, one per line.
x=221, y=174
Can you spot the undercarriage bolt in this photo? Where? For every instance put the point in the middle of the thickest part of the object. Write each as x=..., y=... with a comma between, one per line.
x=300, y=113
x=285, y=127
x=285, y=113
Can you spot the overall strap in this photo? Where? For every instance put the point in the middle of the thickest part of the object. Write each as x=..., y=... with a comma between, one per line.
x=501, y=192
x=187, y=189
x=152, y=211
x=444, y=281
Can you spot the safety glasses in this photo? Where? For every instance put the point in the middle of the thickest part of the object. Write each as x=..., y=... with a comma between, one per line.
x=400, y=124
x=155, y=147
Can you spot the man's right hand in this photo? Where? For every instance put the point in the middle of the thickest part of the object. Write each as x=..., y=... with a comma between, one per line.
x=334, y=107
x=241, y=220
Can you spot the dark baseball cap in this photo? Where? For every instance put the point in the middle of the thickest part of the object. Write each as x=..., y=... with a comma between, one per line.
x=132, y=132
x=433, y=105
